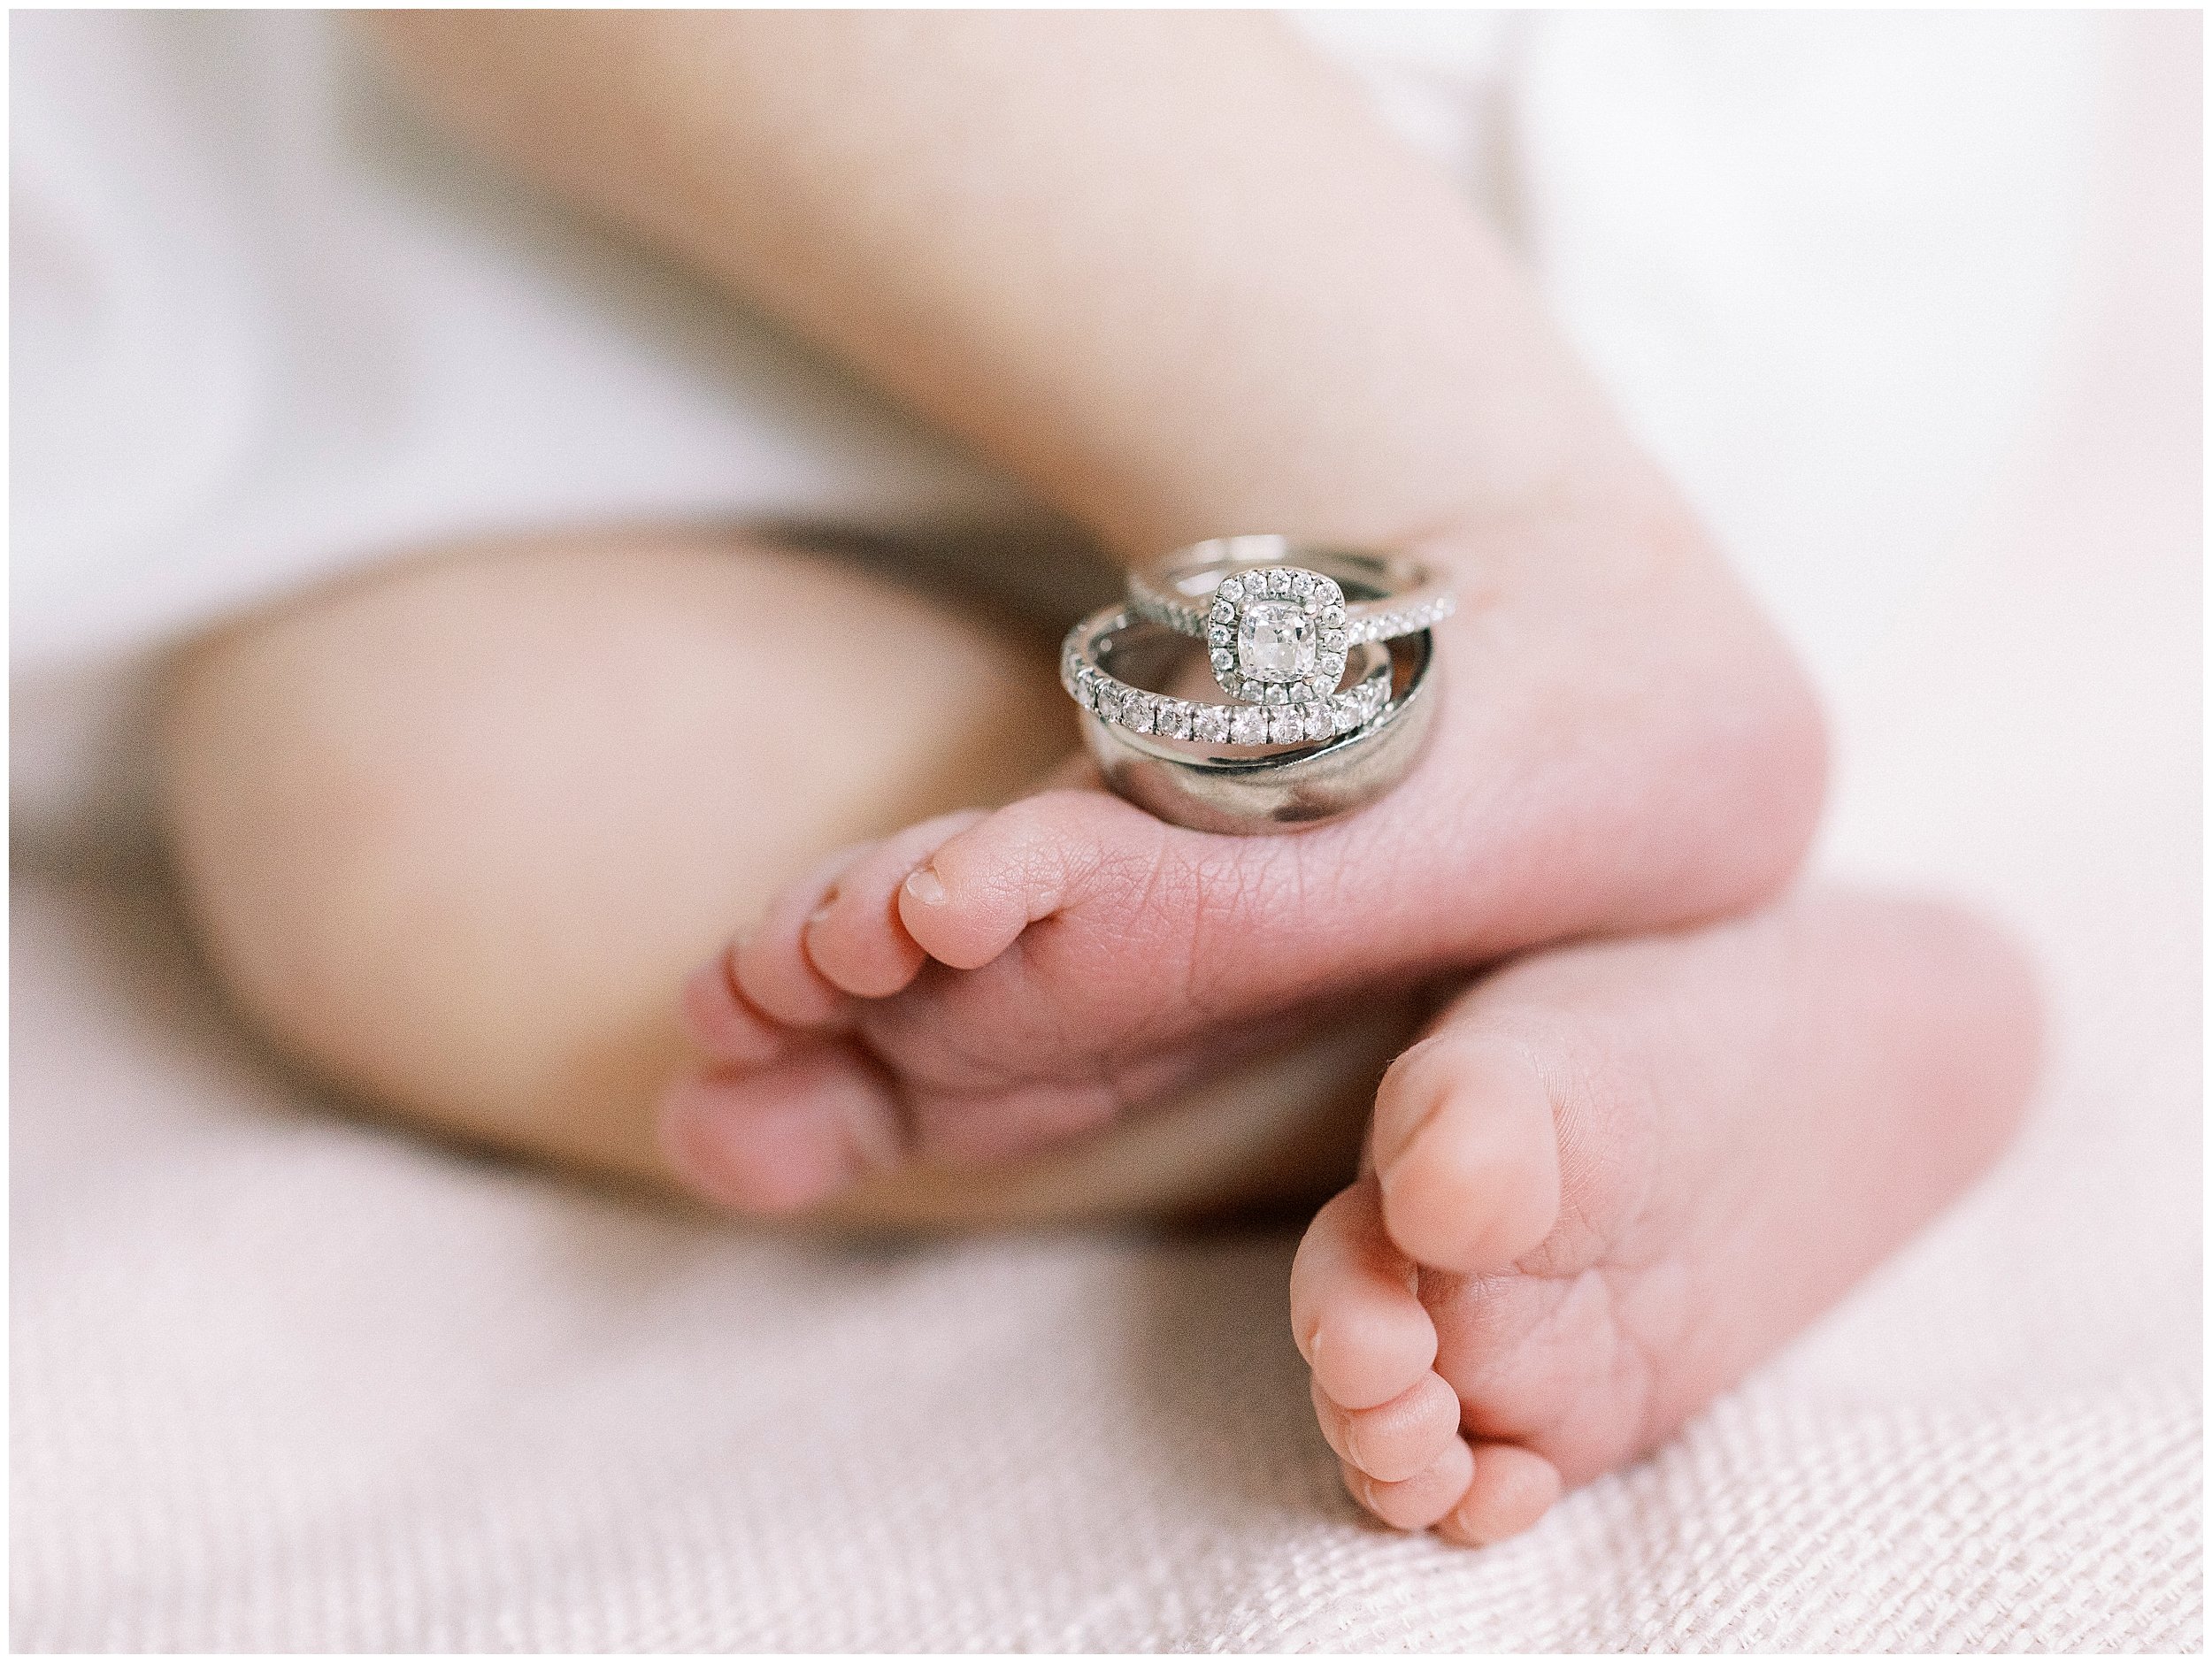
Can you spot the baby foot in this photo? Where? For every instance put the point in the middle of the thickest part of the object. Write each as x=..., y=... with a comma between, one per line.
x=1613, y=1178
x=1622, y=745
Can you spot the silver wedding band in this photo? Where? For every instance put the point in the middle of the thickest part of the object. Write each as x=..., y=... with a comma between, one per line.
x=1330, y=693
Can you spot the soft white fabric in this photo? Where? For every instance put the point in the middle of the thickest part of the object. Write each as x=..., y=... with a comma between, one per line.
x=267, y=327
x=1819, y=258
x=282, y=1382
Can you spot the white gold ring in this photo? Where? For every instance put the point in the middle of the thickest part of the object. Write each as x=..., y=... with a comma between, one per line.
x=1092, y=646
x=1321, y=758
x=1273, y=613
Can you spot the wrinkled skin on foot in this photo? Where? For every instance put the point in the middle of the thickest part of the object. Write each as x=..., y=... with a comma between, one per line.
x=1622, y=745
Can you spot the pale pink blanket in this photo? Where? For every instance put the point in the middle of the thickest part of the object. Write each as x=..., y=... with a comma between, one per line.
x=282, y=1382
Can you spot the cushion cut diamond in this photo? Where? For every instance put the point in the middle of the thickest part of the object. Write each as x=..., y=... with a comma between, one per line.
x=1277, y=641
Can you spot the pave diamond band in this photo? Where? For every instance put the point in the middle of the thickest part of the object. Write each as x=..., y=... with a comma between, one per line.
x=1241, y=596
x=1311, y=720
x=1328, y=655
x=1279, y=766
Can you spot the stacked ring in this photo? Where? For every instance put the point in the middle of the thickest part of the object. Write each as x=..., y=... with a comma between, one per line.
x=1329, y=690
x=1276, y=631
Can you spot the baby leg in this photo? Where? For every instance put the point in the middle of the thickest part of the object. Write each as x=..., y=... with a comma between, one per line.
x=454, y=832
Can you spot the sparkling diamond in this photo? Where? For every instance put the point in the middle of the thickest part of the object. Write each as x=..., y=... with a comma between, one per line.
x=1174, y=720
x=1136, y=713
x=1333, y=614
x=1224, y=659
x=1249, y=727
x=1321, y=687
x=1231, y=589
x=1333, y=639
x=1275, y=642
x=1318, y=723
x=1285, y=727
x=1276, y=695
x=1301, y=584
x=1210, y=721
x=1218, y=635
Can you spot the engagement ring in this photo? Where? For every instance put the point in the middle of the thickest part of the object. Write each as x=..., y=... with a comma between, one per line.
x=1243, y=768
x=1273, y=613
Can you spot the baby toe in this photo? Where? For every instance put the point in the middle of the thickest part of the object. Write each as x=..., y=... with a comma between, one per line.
x=854, y=937
x=1354, y=1307
x=1466, y=1153
x=770, y=963
x=783, y=1139
x=1418, y=1502
x=1512, y=1488
x=1396, y=1440
x=722, y=1022
x=983, y=887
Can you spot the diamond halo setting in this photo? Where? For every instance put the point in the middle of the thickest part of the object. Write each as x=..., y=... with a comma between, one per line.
x=1277, y=635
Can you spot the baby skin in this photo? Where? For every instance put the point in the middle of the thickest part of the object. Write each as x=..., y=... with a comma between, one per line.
x=1612, y=1178
x=1609, y=1180
x=462, y=871
x=1623, y=746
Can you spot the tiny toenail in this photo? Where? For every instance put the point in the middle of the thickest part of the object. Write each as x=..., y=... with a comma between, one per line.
x=1313, y=1349
x=822, y=911
x=1354, y=1450
x=925, y=886
x=1388, y=1164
